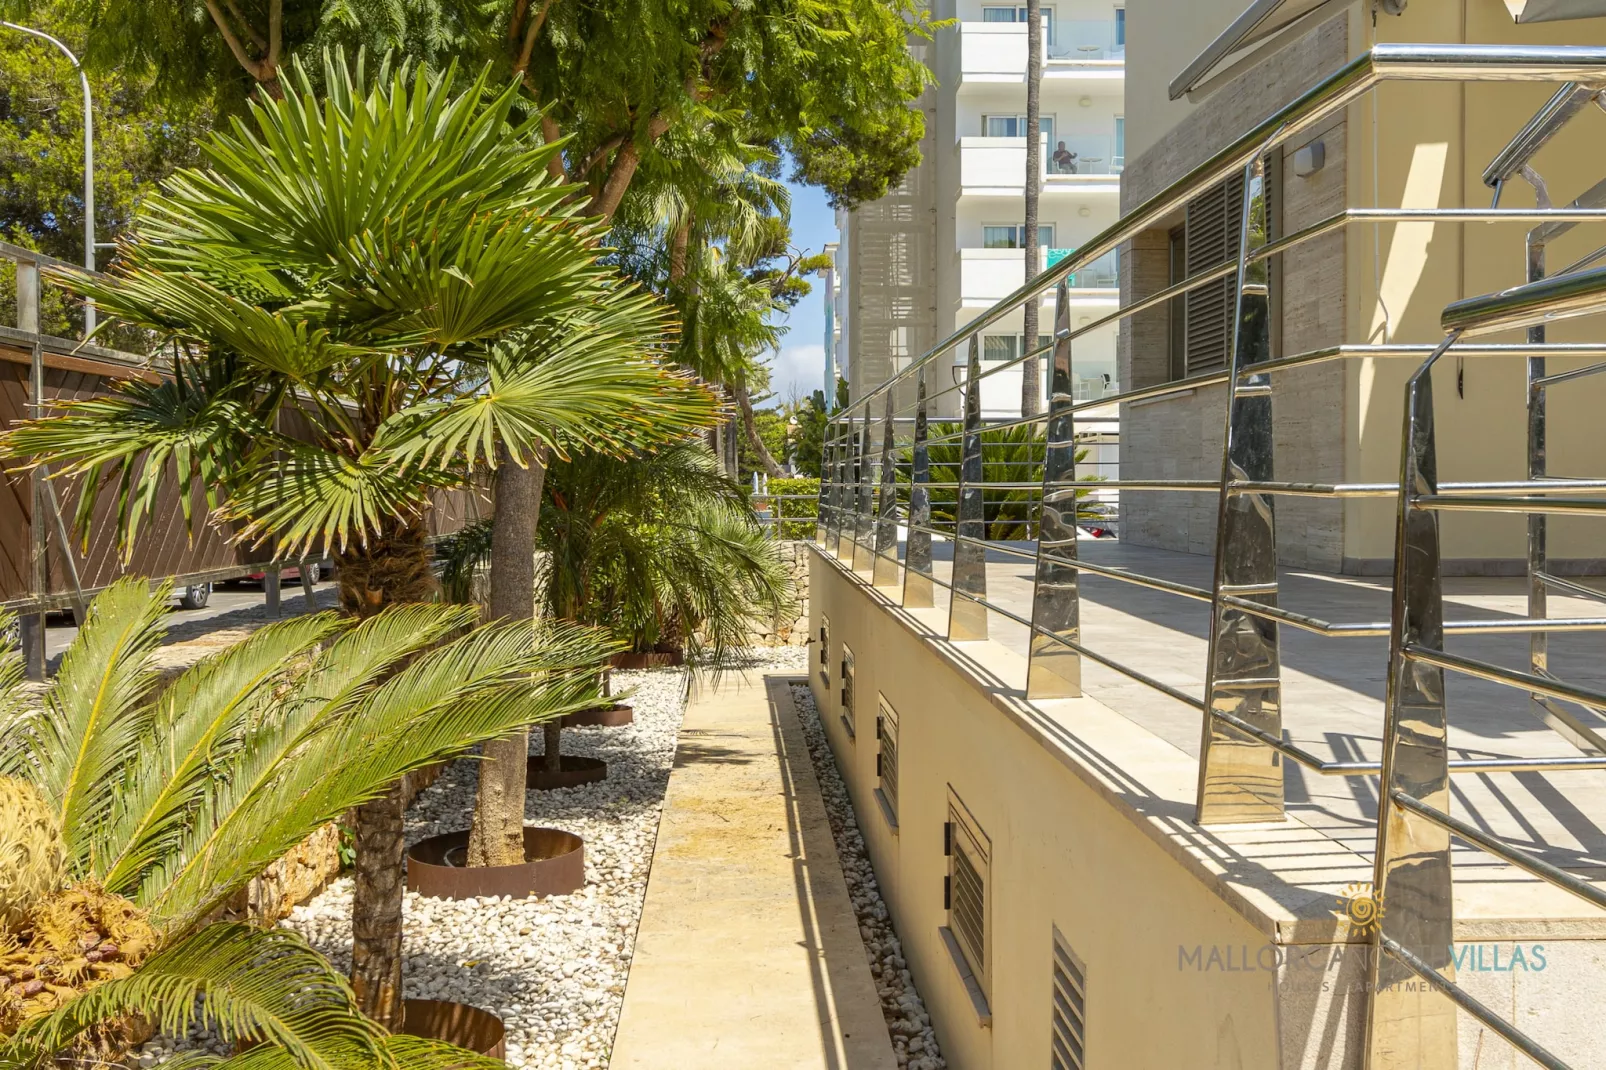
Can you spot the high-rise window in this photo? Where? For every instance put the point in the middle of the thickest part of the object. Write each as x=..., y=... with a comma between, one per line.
x=1014, y=125
x=1120, y=27
x=1013, y=236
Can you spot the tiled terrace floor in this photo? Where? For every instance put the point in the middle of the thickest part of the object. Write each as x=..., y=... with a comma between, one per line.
x=1333, y=694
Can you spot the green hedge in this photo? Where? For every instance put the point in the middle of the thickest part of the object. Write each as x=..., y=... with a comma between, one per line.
x=805, y=510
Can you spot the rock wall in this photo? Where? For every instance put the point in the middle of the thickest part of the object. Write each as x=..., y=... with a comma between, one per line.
x=794, y=629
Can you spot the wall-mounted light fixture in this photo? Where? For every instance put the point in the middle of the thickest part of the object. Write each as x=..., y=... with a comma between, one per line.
x=1310, y=158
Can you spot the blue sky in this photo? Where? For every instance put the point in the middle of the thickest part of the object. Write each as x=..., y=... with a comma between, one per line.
x=801, y=367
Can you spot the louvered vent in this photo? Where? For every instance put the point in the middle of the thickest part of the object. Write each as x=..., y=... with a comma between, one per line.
x=967, y=911
x=847, y=691
x=887, y=754
x=1213, y=223
x=1070, y=1008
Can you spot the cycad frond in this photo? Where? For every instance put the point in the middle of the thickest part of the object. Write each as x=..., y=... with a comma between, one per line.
x=95, y=716
x=248, y=984
x=201, y=723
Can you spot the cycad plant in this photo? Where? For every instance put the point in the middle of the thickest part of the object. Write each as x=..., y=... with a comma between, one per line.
x=368, y=298
x=1011, y=455
x=130, y=814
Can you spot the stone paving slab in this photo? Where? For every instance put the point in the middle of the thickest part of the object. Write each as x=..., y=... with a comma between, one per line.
x=748, y=952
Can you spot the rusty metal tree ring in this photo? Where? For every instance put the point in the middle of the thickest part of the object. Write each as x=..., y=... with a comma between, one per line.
x=456, y=1023
x=653, y=660
x=554, y=865
x=576, y=770
x=615, y=716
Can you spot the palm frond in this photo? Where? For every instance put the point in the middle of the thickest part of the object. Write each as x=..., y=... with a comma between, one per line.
x=201, y=722
x=248, y=984
x=95, y=716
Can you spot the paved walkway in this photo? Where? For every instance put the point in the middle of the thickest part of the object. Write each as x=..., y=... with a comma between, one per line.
x=748, y=953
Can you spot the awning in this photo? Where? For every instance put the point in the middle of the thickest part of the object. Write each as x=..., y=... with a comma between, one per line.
x=1555, y=10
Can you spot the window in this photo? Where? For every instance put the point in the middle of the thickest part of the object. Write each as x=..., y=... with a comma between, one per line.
x=1070, y=1008
x=847, y=692
x=1017, y=14
x=1120, y=27
x=969, y=887
x=1014, y=125
x=1007, y=346
x=886, y=760
x=1013, y=236
x=1118, y=162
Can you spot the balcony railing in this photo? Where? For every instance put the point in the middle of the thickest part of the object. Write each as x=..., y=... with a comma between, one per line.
x=1081, y=40
x=879, y=457
x=1000, y=162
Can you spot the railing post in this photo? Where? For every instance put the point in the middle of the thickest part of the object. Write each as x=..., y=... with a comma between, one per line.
x=822, y=500
x=967, y=618
x=1241, y=779
x=839, y=488
x=886, y=531
x=917, y=582
x=1408, y=1026
x=33, y=624
x=1054, y=670
x=864, y=508
x=1552, y=713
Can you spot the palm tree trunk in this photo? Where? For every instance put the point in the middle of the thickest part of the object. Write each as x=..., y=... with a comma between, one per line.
x=390, y=568
x=376, y=910
x=1031, y=387
x=745, y=402
x=552, y=740
x=497, y=835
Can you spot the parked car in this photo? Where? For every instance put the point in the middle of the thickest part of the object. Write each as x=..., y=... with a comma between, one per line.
x=289, y=574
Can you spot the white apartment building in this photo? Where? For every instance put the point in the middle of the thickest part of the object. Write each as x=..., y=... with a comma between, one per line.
x=949, y=242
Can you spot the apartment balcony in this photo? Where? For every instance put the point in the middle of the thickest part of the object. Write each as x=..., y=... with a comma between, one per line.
x=986, y=276
x=1083, y=52
x=996, y=166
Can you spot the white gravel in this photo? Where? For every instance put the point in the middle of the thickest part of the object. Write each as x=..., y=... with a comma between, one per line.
x=913, y=1039
x=553, y=969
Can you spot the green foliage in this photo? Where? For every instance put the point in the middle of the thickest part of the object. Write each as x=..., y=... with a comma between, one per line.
x=783, y=508
x=139, y=140
x=808, y=435
x=426, y=312
x=772, y=426
x=175, y=799
x=1009, y=455
x=661, y=549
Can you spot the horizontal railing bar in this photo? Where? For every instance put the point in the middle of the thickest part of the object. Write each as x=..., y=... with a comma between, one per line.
x=1523, y=860
x=1554, y=298
x=1140, y=580
x=1472, y=1005
x=1523, y=681
x=1303, y=757
x=1567, y=377
x=1573, y=588
x=1453, y=503
x=1304, y=622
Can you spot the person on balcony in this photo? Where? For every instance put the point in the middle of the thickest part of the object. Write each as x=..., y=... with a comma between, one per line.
x=1064, y=161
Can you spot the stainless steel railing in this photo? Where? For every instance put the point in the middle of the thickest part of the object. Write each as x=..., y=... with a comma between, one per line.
x=880, y=453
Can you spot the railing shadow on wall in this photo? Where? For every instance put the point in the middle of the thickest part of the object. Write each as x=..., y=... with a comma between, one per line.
x=1013, y=488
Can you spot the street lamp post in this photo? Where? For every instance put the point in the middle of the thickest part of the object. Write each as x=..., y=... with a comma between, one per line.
x=89, y=159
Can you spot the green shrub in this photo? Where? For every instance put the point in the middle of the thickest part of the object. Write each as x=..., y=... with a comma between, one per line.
x=796, y=517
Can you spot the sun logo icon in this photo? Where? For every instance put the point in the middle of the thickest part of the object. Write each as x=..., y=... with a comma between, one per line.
x=1362, y=905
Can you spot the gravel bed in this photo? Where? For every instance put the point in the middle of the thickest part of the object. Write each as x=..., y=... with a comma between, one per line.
x=913, y=1039
x=554, y=969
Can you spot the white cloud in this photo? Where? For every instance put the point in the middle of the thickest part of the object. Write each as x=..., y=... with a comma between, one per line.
x=797, y=372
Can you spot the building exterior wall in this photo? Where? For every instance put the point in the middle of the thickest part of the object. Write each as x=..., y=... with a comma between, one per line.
x=1407, y=145
x=971, y=180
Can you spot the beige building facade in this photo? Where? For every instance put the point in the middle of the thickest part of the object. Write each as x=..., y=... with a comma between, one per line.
x=1405, y=145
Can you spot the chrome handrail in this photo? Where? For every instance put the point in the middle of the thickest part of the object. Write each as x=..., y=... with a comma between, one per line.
x=875, y=451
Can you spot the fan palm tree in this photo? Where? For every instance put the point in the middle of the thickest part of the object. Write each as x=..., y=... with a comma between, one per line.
x=661, y=549
x=132, y=814
x=366, y=300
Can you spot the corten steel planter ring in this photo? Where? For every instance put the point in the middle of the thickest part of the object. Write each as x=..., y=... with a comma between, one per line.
x=615, y=716
x=554, y=865
x=656, y=659
x=456, y=1023
x=577, y=770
